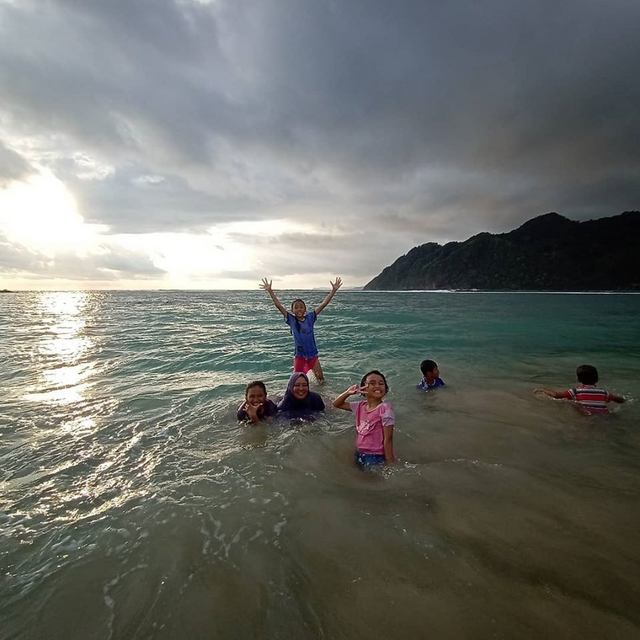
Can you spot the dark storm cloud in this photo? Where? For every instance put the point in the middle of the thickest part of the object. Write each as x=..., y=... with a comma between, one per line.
x=442, y=119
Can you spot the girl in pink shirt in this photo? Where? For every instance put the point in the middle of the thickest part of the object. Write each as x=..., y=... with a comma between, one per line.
x=374, y=419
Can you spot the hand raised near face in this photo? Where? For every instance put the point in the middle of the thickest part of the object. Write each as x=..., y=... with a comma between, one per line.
x=355, y=388
x=253, y=411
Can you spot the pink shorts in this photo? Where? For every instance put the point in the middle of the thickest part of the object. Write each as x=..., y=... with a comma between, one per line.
x=304, y=365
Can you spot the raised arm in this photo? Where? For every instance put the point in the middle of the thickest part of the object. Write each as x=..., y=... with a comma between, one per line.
x=266, y=285
x=341, y=401
x=334, y=287
x=550, y=392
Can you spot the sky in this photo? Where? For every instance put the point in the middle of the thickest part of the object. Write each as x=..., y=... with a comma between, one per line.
x=205, y=144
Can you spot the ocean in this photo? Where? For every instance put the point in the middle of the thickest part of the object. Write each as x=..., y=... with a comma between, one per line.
x=133, y=505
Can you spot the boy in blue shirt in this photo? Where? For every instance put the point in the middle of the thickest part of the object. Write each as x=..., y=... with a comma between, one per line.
x=430, y=376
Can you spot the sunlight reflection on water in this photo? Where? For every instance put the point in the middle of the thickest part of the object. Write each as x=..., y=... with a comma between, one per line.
x=62, y=347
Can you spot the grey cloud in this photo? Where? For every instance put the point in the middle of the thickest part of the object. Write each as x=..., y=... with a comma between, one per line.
x=301, y=241
x=430, y=120
x=128, y=264
x=355, y=255
x=14, y=258
x=121, y=202
x=111, y=265
x=12, y=166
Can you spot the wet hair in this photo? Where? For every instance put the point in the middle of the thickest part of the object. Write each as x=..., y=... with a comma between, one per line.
x=427, y=366
x=255, y=383
x=587, y=374
x=298, y=321
x=366, y=375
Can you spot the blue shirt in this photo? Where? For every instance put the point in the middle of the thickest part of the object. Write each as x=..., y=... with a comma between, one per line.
x=423, y=386
x=303, y=335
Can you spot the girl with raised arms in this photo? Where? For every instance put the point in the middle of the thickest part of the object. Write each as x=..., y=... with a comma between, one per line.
x=374, y=419
x=305, y=357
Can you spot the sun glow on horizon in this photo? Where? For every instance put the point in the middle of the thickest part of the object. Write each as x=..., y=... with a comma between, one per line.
x=42, y=215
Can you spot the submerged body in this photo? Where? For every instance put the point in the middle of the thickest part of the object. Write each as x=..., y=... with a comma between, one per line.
x=256, y=405
x=589, y=399
x=299, y=401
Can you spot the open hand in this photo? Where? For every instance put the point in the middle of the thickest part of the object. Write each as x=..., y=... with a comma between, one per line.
x=336, y=285
x=266, y=285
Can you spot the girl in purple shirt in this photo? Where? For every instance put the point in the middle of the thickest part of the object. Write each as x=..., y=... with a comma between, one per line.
x=374, y=419
x=256, y=405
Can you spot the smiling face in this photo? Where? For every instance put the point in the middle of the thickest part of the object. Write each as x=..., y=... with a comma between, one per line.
x=300, y=388
x=299, y=309
x=256, y=396
x=375, y=386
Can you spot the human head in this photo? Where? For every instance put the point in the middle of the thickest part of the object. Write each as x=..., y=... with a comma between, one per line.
x=298, y=385
x=255, y=393
x=587, y=374
x=429, y=369
x=298, y=308
x=374, y=372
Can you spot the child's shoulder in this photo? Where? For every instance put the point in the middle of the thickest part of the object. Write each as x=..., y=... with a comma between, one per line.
x=423, y=385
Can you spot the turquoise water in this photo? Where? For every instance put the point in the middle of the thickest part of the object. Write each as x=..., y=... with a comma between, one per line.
x=134, y=506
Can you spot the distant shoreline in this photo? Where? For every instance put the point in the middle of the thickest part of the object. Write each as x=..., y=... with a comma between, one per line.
x=469, y=291
x=351, y=290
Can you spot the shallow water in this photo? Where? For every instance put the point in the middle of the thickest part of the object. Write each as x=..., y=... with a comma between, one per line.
x=134, y=506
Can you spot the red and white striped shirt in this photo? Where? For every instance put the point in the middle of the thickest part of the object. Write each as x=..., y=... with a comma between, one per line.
x=590, y=398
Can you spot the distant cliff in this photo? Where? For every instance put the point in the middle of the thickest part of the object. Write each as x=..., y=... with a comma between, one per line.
x=549, y=252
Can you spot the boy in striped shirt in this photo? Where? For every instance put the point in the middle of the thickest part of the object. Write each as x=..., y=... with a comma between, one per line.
x=589, y=398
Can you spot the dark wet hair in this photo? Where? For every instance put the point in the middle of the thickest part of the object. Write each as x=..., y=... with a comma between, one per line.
x=255, y=383
x=587, y=374
x=427, y=366
x=305, y=306
x=366, y=375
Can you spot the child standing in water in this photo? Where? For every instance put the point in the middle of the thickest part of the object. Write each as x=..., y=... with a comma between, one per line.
x=305, y=358
x=374, y=419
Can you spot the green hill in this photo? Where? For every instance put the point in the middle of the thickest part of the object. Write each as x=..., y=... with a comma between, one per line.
x=547, y=253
